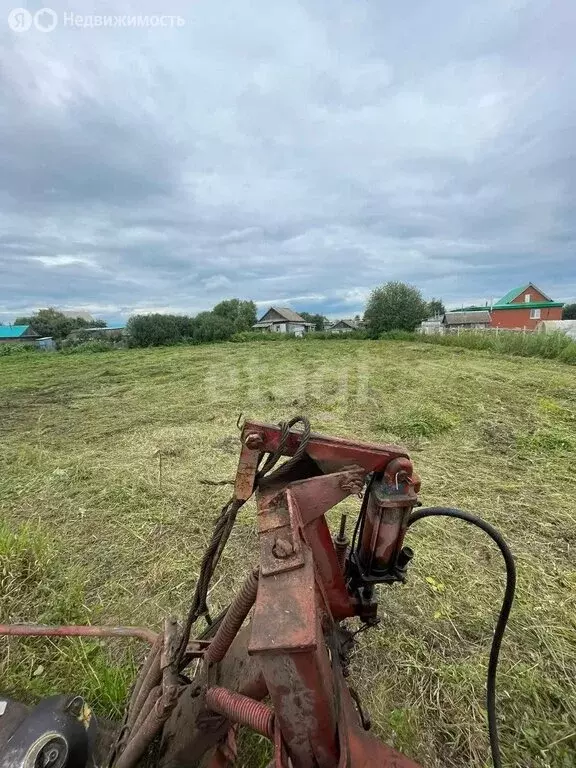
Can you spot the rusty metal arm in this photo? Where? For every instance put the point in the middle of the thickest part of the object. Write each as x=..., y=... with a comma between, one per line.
x=75, y=630
x=331, y=454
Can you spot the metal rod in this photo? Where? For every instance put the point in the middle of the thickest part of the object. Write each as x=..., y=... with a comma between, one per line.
x=153, y=697
x=150, y=680
x=152, y=660
x=150, y=727
x=37, y=630
x=341, y=544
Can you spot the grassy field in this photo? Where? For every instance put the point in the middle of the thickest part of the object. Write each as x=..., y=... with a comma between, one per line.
x=104, y=518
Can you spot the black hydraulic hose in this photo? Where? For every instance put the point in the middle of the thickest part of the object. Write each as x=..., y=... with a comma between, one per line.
x=362, y=513
x=496, y=536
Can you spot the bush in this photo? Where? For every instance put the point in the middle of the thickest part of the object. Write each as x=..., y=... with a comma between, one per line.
x=568, y=355
x=17, y=349
x=163, y=330
x=208, y=327
x=156, y=330
x=96, y=345
x=329, y=336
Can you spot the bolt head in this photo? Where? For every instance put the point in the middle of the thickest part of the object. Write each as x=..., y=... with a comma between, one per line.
x=254, y=441
x=282, y=548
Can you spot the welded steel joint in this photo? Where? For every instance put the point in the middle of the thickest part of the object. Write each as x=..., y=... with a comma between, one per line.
x=353, y=481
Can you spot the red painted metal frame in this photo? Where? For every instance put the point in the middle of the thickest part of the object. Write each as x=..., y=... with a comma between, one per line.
x=299, y=595
x=302, y=595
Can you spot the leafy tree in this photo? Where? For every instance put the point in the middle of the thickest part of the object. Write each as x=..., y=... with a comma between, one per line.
x=155, y=330
x=159, y=330
x=242, y=314
x=210, y=326
x=436, y=307
x=319, y=320
x=51, y=322
x=394, y=306
x=569, y=312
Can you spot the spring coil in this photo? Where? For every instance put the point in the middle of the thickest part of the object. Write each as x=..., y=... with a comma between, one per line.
x=233, y=620
x=241, y=709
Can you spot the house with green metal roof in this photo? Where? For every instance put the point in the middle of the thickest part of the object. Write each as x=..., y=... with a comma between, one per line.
x=524, y=307
x=17, y=334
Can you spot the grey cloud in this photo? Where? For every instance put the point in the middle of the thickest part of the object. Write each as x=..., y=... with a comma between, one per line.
x=285, y=152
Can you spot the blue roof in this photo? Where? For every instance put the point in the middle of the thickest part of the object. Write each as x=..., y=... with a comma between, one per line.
x=13, y=331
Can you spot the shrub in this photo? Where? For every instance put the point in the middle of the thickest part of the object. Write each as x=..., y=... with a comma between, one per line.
x=156, y=330
x=328, y=336
x=568, y=354
x=17, y=349
x=162, y=330
x=94, y=346
x=207, y=327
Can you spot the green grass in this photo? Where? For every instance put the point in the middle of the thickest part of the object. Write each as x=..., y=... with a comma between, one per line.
x=92, y=530
x=550, y=346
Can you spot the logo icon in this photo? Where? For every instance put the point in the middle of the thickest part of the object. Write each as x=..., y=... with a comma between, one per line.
x=19, y=20
x=45, y=19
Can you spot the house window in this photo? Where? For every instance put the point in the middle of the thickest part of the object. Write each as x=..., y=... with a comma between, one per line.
x=534, y=314
x=527, y=297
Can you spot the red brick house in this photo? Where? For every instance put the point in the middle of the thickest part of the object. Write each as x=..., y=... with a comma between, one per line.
x=524, y=307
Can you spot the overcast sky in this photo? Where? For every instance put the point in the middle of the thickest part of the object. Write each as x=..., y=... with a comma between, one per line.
x=295, y=153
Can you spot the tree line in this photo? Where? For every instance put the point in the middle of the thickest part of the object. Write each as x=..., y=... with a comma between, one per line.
x=220, y=324
x=394, y=306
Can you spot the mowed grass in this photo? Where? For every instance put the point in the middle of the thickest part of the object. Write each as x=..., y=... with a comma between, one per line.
x=105, y=517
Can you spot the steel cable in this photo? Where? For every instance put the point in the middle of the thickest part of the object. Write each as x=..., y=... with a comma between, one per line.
x=225, y=523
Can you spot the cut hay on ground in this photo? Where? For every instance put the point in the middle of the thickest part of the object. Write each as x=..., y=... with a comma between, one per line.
x=105, y=516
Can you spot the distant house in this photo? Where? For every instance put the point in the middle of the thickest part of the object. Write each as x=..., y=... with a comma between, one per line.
x=524, y=308
x=466, y=319
x=283, y=320
x=46, y=343
x=17, y=334
x=344, y=326
x=431, y=326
